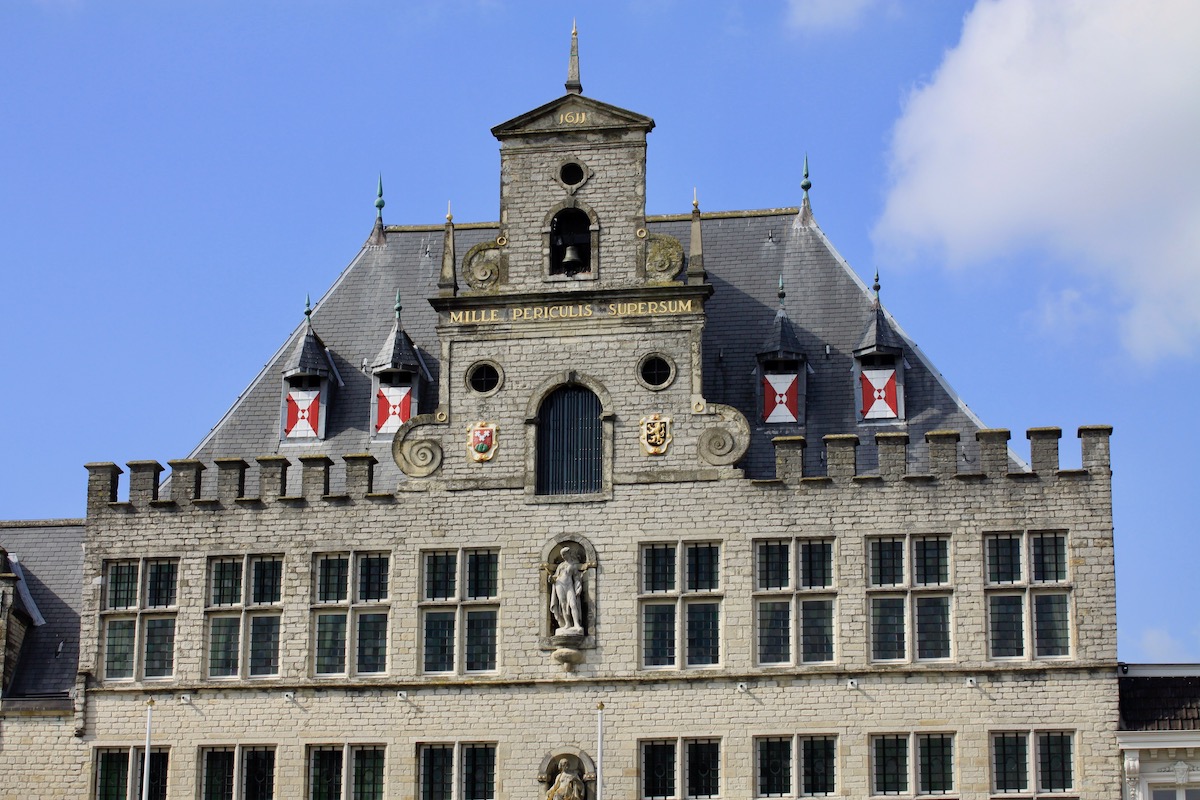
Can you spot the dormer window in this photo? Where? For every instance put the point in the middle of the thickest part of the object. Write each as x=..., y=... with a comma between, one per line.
x=880, y=388
x=570, y=243
x=304, y=407
x=782, y=389
x=394, y=400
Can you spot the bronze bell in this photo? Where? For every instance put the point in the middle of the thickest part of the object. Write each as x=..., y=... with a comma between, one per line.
x=571, y=256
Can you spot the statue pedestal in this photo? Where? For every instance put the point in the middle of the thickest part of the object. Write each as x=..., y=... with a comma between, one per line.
x=567, y=650
x=567, y=638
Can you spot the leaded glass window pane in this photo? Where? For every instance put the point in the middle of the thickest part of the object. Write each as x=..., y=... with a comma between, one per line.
x=332, y=579
x=703, y=635
x=122, y=585
x=890, y=765
x=1010, y=762
x=441, y=573
x=437, y=772
x=1004, y=558
x=774, y=767
x=331, y=643
x=373, y=577
x=1049, y=557
x=112, y=777
x=703, y=769
x=1006, y=619
x=160, y=647
x=773, y=572
x=887, y=628
x=483, y=569
x=264, y=645
x=267, y=581
x=703, y=567
x=658, y=770
x=819, y=772
x=479, y=772
x=368, y=774
x=816, y=631
x=481, y=640
x=774, y=632
x=935, y=763
x=226, y=585
x=1051, y=625
x=223, y=646
x=258, y=773
x=118, y=648
x=439, y=641
x=372, y=642
x=887, y=562
x=658, y=568
x=218, y=775
x=816, y=564
x=160, y=583
x=658, y=628
x=1054, y=762
x=325, y=774
x=933, y=627
x=931, y=561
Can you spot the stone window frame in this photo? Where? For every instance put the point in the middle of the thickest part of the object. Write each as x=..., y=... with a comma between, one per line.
x=673, y=371
x=593, y=272
x=247, y=609
x=236, y=787
x=1030, y=742
x=1030, y=585
x=796, y=590
x=914, y=775
x=348, y=769
x=142, y=609
x=681, y=757
x=459, y=789
x=680, y=597
x=352, y=607
x=796, y=764
x=128, y=784
x=914, y=592
x=462, y=604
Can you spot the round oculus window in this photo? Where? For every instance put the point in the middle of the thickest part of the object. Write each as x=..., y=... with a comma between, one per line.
x=484, y=377
x=571, y=173
x=656, y=371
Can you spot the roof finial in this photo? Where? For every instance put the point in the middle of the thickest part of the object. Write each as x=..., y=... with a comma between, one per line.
x=397, y=307
x=782, y=293
x=573, y=84
x=875, y=287
x=695, y=198
x=379, y=204
x=695, y=259
x=806, y=184
x=308, y=311
x=449, y=213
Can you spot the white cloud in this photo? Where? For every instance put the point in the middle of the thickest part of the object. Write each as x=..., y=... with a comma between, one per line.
x=1071, y=127
x=825, y=15
x=1158, y=645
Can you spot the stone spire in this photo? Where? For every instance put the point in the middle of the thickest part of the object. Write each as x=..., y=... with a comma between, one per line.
x=573, y=84
x=695, y=261
x=447, y=281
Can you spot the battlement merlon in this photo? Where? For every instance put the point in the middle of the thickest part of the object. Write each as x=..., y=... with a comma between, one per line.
x=840, y=450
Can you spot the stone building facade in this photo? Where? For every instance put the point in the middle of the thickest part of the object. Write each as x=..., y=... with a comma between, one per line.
x=612, y=514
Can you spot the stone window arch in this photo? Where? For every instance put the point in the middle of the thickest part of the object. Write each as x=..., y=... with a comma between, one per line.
x=571, y=241
x=569, y=440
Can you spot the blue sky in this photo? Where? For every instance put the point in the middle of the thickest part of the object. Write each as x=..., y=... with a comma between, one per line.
x=175, y=177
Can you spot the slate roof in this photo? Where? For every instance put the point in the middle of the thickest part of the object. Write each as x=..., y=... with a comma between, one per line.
x=745, y=255
x=51, y=557
x=1160, y=703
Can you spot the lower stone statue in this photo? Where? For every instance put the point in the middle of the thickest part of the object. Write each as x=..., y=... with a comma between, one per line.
x=566, y=593
x=567, y=784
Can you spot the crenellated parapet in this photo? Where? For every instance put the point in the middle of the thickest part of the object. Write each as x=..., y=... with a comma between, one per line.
x=282, y=480
x=943, y=456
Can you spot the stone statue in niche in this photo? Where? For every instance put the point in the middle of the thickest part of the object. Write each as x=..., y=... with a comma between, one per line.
x=566, y=593
x=567, y=784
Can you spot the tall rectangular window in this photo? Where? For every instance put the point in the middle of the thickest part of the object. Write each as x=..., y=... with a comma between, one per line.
x=465, y=771
x=667, y=776
x=350, y=616
x=790, y=766
x=894, y=771
x=1050, y=771
x=237, y=773
x=1028, y=594
x=681, y=604
x=346, y=772
x=138, y=618
x=460, y=610
x=119, y=772
x=909, y=595
x=794, y=615
x=243, y=610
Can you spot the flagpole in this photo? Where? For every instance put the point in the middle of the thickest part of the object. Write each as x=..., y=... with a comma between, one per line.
x=599, y=751
x=146, y=762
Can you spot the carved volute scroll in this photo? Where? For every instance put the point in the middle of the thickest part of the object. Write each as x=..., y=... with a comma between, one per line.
x=726, y=441
x=485, y=265
x=664, y=257
x=417, y=458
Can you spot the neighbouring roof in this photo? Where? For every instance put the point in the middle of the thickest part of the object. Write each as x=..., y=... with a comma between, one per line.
x=1160, y=703
x=51, y=558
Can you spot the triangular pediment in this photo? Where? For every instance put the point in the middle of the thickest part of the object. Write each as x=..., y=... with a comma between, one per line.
x=572, y=112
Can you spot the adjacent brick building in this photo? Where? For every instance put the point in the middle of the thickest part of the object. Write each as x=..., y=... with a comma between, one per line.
x=656, y=506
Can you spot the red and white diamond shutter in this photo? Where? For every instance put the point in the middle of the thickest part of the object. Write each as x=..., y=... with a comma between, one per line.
x=781, y=398
x=879, y=400
x=393, y=408
x=303, y=414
